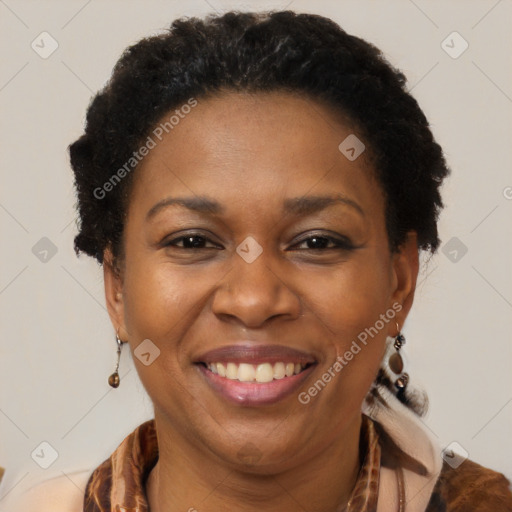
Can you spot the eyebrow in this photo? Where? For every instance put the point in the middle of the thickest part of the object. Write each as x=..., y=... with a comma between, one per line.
x=305, y=205
x=199, y=204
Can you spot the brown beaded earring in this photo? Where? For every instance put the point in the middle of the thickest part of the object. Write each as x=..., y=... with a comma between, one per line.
x=114, y=379
x=396, y=363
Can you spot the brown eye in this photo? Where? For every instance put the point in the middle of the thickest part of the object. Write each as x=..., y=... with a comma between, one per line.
x=190, y=241
x=318, y=242
x=322, y=242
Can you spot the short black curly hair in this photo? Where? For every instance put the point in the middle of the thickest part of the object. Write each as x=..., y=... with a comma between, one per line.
x=254, y=52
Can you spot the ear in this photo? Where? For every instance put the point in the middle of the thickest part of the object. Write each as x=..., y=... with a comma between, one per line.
x=112, y=277
x=405, y=266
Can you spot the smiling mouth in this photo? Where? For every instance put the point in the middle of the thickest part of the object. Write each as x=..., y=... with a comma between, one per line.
x=260, y=373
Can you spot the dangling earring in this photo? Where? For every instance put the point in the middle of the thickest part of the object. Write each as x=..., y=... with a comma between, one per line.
x=396, y=363
x=114, y=379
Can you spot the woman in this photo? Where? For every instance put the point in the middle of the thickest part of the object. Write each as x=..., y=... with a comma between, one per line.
x=257, y=188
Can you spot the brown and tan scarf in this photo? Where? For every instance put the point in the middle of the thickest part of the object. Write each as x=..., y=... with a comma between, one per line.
x=119, y=483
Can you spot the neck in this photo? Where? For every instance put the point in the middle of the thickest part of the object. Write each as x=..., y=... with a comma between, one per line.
x=185, y=480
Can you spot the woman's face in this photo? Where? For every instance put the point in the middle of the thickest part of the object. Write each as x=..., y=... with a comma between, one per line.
x=276, y=253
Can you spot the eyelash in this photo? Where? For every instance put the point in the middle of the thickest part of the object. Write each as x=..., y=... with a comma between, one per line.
x=339, y=243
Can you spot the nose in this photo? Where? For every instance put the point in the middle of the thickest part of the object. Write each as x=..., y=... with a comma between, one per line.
x=255, y=292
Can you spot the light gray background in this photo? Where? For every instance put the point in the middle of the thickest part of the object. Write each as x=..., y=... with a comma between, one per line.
x=57, y=343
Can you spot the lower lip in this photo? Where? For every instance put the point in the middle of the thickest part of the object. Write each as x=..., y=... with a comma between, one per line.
x=254, y=393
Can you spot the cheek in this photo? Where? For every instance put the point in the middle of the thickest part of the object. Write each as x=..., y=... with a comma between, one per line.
x=164, y=302
x=352, y=297
x=158, y=304
x=144, y=304
x=353, y=304
x=156, y=300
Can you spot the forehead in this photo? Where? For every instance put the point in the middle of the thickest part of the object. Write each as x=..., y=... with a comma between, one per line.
x=261, y=146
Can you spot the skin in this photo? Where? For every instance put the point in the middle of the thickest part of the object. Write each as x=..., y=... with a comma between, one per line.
x=249, y=153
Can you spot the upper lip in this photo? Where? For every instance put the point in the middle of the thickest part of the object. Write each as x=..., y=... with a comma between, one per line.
x=255, y=354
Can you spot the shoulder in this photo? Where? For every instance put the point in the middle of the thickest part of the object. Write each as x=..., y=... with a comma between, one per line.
x=61, y=494
x=471, y=487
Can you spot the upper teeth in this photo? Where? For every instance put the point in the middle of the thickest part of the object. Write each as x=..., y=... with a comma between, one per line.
x=264, y=372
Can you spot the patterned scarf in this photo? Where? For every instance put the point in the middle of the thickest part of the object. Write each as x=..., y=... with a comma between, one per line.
x=119, y=483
